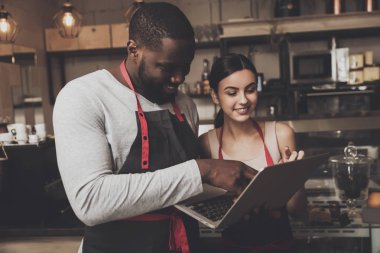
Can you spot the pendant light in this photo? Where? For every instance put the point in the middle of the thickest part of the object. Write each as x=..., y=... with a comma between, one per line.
x=8, y=26
x=68, y=21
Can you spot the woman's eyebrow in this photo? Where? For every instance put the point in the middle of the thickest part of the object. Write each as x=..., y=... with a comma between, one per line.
x=231, y=87
x=235, y=88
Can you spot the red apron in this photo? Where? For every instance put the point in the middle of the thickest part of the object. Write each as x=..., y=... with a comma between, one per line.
x=261, y=233
x=163, y=140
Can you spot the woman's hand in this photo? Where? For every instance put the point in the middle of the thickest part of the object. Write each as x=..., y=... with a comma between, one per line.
x=287, y=155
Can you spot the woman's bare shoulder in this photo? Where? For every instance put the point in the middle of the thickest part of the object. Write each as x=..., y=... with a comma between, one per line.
x=284, y=130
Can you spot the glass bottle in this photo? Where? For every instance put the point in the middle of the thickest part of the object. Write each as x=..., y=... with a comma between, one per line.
x=369, y=5
x=335, y=7
x=131, y=10
x=205, y=77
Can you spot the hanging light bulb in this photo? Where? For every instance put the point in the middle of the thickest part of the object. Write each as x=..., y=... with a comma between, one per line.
x=8, y=27
x=68, y=21
x=131, y=10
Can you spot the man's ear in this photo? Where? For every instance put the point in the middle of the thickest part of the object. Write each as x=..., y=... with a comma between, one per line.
x=132, y=49
x=214, y=97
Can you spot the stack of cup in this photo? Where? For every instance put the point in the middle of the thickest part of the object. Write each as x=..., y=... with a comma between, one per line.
x=40, y=131
x=6, y=138
x=20, y=131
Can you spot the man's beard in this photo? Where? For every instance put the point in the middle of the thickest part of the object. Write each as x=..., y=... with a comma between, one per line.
x=151, y=89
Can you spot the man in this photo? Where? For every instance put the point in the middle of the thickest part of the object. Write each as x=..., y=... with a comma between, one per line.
x=126, y=142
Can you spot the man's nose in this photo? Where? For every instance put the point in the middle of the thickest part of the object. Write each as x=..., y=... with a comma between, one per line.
x=177, y=78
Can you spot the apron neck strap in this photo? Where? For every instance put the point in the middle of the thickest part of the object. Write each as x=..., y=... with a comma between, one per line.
x=177, y=111
x=142, y=120
x=268, y=157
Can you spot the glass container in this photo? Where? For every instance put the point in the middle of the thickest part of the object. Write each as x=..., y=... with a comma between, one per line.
x=351, y=173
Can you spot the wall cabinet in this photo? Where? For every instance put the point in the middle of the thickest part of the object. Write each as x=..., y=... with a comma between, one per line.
x=90, y=37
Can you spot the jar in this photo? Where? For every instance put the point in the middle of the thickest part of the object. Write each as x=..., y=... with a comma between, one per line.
x=351, y=173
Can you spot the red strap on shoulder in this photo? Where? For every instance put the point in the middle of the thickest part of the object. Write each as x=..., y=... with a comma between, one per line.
x=142, y=119
x=267, y=154
x=177, y=111
x=220, y=154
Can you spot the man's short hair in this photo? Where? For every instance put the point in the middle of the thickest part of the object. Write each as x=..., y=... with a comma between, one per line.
x=154, y=21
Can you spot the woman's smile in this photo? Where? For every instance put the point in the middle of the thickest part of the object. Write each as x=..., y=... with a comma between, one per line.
x=242, y=110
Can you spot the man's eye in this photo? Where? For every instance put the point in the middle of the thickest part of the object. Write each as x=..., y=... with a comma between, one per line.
x=166, y=69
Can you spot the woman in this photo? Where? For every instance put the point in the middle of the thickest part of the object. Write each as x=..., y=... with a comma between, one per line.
x=237, y=136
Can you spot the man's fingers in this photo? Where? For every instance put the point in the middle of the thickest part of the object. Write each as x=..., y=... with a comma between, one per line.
x=249, y=173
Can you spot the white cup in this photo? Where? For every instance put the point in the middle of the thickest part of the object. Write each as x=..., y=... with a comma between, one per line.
x=21, y=138
x=40, y=128
x=29, y=129
x=6, y=138
x=33, y=139
x=18, y=127
x=41, y=136
x=10, y=127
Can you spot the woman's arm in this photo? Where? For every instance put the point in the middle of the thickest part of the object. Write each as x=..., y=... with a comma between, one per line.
x=297, y=205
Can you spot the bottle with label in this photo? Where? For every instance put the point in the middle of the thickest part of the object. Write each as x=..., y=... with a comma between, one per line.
x=205, y=75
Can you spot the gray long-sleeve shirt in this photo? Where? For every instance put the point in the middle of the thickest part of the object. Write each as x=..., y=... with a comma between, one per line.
x=95, y=126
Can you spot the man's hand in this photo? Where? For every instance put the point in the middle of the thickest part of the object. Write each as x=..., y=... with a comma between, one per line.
x=230, y=175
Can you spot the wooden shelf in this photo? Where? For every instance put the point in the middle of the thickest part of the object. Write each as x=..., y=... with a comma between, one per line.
x=302, y=25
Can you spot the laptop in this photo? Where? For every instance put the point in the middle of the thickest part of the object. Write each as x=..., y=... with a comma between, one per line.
x=272, y=187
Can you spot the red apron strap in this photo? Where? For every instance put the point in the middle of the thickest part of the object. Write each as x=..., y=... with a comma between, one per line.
x=177, y=231
x=177, y=111
x=220, y=154
x=267, y=154
x=142, y=119
x=268, y=157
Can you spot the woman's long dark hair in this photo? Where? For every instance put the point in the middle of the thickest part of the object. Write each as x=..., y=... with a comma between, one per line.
x=224, y=67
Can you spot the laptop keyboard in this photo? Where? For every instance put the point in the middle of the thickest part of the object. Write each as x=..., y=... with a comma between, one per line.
x=214, y=209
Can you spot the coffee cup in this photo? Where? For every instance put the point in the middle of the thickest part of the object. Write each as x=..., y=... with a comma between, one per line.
x=40, y=128
x=33, y=139
x=41, y=136
x=6, y=138
x=19, y=128
x=21, y=138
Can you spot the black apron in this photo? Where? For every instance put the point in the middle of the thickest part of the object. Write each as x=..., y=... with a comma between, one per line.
x=171, y=141
x=262, y=232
